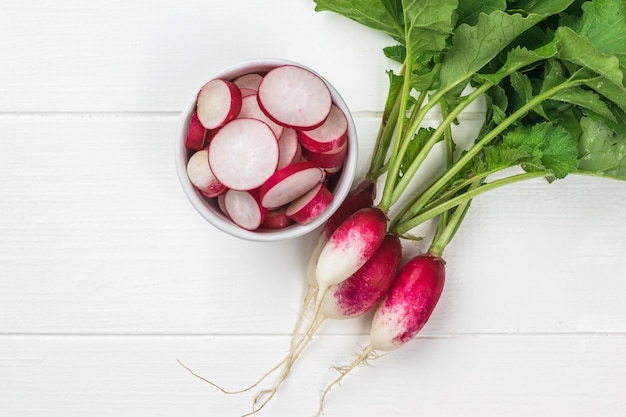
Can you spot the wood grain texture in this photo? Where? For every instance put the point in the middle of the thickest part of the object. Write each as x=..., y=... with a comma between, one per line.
x=108, y=275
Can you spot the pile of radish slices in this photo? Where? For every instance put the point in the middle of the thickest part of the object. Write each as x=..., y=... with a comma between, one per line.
x=267, y=146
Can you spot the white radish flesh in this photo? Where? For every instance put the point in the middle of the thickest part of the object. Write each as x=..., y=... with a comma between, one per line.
x=330, y=135
x=244, y=209
x=250, y=109
x=295, y=97
x=311, y=205
x=201, y=176
x=350, y=246
x=243, y=154
x=248, y=81
x=196, y=134
x=218, y=102
x=289, y=148
x=289, y=183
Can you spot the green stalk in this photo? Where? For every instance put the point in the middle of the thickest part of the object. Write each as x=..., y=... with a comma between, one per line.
x=445, y=235
x=402, y=144
x=405, y=226
x=421, y=157
x=404, y=96
x=433, y=190
x=383, y=141
x=449, y=146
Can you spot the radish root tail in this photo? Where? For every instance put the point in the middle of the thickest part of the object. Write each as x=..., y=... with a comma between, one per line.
x=366, y=355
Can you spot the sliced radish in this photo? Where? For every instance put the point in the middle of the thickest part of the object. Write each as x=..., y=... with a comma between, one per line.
x=243, y=154
x=244, y=209
x=250, y=109
x=294, y=97
x=218, y=102
x=330, y=159
x=277, y=219
x=202, y=177
x=221, y=205
x=245, y=92
x=308, y=207
x=289, y=148
x=332, y=171
x=330, y=135
x=289, y=183
x=249, y=81
x=196, y=134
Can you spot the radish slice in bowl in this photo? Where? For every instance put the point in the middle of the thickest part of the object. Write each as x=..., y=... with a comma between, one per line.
x=208, y=207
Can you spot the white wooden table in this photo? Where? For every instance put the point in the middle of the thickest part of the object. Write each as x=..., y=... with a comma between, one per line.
x=108, y=275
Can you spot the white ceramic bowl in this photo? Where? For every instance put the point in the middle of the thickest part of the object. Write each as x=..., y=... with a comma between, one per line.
x=208, y=207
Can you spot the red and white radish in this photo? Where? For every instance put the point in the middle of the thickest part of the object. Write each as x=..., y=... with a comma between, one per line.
x=289, y=183
x=243, y=154
x=245, y=92
x=361, y=292
x=201, y=176
x=218, y=102
x=350, y=246
x=244, y=209
x=330, y=135
x=277, y=219
x=196, y=134
x=250, y=109
x=294, y=97
x=289, y=148
x=311, y=205
x=405, y=310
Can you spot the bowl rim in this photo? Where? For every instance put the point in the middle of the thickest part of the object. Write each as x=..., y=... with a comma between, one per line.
x=208, y=209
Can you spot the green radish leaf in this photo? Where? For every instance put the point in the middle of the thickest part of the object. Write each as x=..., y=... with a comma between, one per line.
x=469, y=10
x=395, y=86
x=383, y=15
x=602, y=151
x=586, y=99
x=415, y=145
x=395, y=53
x=429, y=25
x=604, y=24
x=548, y=146
x=475, y=46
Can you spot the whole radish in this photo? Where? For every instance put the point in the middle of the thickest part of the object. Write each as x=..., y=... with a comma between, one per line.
x=403, y=313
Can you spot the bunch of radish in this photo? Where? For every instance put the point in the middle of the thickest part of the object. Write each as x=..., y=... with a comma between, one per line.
x=355, y=268
x=266, y=146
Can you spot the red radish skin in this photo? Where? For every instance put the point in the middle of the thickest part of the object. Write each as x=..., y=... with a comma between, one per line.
x=201, y=176
x=277, y=219
x=332, y=134
x=244, y=209
x=289, y=183
x=196, y=134
x=250, y=109
x=218, y=102
x=243, y=154
x=248, y=81
x=327, y=160
x=294, y=97
x=365, y=288
x=289, y=148
x=245, y=92
x=350, y=246
x=311, y=205
x=410, y=303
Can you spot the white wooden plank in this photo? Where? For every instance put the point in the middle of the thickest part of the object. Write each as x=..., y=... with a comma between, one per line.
x=485, y=376
x=89, y=56
x=96, y=237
